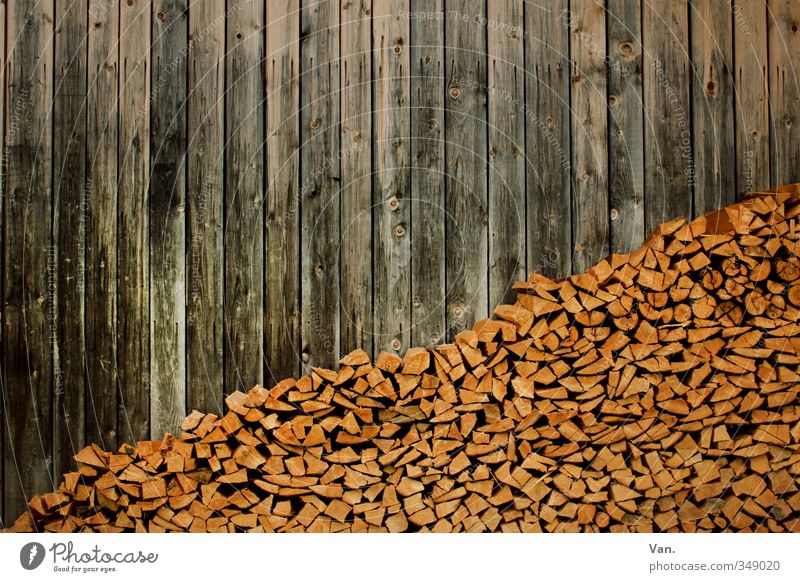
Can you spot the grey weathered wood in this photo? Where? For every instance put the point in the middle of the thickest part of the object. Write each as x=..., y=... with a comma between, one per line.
x=589, y=127
x=751, y=94
x=167, y=216
x=3, y=171
x=101, y=220
x=392, y=185
x=784, y=87
x=625, y=125
x=282, y=245
x=30, y=261
x=356, y=176
x=669, y=168
x=427, y=175
x=547, y=139
x=319, y=162
x=133, y=275
x=204, y=206
x=506, y=115
x=244, y=202
x=712, y=106
x=69, y=229
x=465, y=162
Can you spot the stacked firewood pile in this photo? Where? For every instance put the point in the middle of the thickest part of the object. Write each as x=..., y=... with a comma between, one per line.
x=656, y=392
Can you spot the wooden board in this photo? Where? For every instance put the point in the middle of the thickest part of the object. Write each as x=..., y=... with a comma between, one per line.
x=133, y=264
x=356, y=177
x=30, y=261
x=625, y=125
x=392, y=180
x=506, y=139
x=168, y=215
x=547, y=139
x=466, y=204
x=428, y=247
x=712, y=105
x=320, y=204
x=3, y=95
x=69, y=229
x=244, y=198
x=204, y=206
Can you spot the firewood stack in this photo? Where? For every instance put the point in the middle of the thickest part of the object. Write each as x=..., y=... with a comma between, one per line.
x=657, y=392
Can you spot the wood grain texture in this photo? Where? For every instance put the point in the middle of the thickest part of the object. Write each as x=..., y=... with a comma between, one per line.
x=30, y=260
x=204, y=206
x=751, y=93
x=466, y=228
x=625, y=125
x=784, y=88
x=547, y=139
x=3, y=174
x=168, y=216
x=69, y=229
x=133, y=264
x=244, y=200
x=506, y=139
x=589, y=131
x=356, y=176
x=320, y=204
x=428, y=247
x=669, y=165
x=712, y=106
x=392, y=180
x=101, y=222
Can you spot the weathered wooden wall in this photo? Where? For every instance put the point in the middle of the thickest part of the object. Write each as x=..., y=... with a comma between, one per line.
x=199, y=196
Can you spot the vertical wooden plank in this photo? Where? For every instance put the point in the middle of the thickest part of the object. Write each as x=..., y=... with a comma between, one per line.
x=319, y=163
x=427, y=174
x=751, y=92
x=30, y=260
x=712, y=106
x=589, y=126
x=204, y=199
x=101, y=235
x=392, y=186
x=69, y=228
x=506, y=98
x=669, y=169
x=133, y=289
x=356, y=167
x=3, y=191
x=784, y=91
x=167, y=216
x=244, y=182
x=466, y=165
x=625, y=125
x=547, y=135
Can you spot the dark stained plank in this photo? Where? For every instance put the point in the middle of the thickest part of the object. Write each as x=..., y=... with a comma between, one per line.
x=244, y=203
x=133, y=274
x=392, y=184
x=547, y=135
x=101, y=220
x=427, y=174
x=282, y=245
x=204, y=200
x=3, y=425
x=356, y=176
x=466, y=165
x=69, y=229
x=751, y=93
x=506, y=115
x=712, y=106
x=167, y=216
x=30, y=261
x=319, y=162
x=589, y=127
x=784, y=56
x=625, y=125
x=669, y=168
